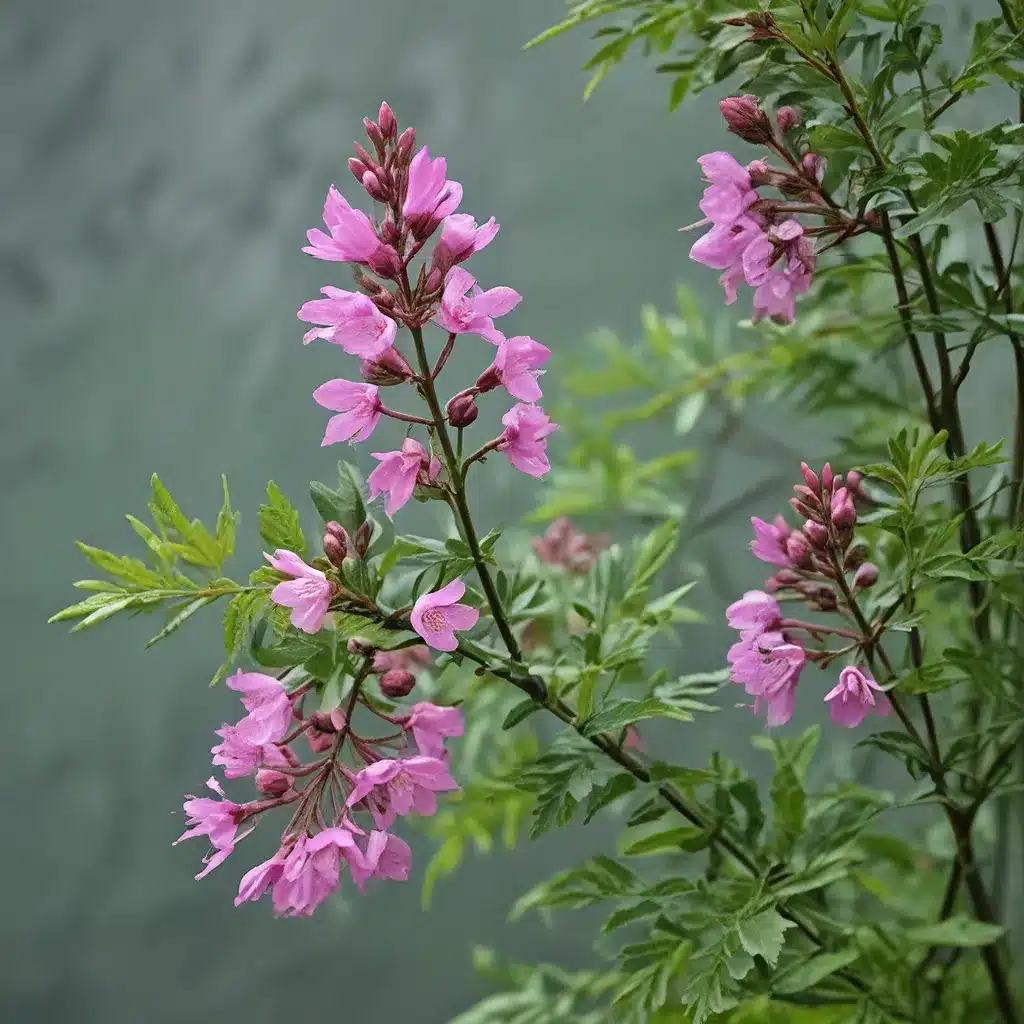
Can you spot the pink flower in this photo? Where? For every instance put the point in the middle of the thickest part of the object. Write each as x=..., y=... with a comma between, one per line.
x=460, y=238
x=215, y=819
x=408, y=785
x=436, y=616
x=386, y=856
x=756, y=610
x=730, y=192
x=568, y=548
x=431, y=725
x=359, y=407
x=256, y=881
x=408, y=659
x=769, y=543
x=267, y=702
x=518, y=365
x=853, y=697
x=769, y=668
x=429, y=197
x=723, y=246
x=307, y=878
x=351, y=320
x=353, y=237
x=308, y=593
x=399, y=472
x=472, y=314
x=524, y=444
x=776, y=295
x=240, y=755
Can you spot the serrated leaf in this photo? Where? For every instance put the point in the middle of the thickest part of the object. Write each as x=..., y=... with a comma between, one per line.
x=628, y=712
x=958, y=931
x=764, y=935
x=687, y=838
x=180, y=617
x=279, y=523
x=807, y=974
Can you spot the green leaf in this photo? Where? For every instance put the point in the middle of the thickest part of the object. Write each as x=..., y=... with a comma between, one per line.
x=520, y=712
x=652, y=555
x=672, y=840
x=957, y=931
x=180, y=616
x=810, y=972
x=279, y=523
x=764, y=935
x=343, y=504
x=627, y=712
x=128, y=570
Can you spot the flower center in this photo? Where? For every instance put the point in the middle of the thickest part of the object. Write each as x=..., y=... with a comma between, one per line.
x=434, y=620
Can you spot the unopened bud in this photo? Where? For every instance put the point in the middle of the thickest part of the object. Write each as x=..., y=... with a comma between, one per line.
x=808, y=496
x=373, y=187
x=826, y=477
x=387, y=369
x=363, y=537
x=397, y=683
x=813, y=166
x=844, y=512
x=374, y=134
x=854, y=484
x=788, y=578
x=434, y=281
x=746, y=119
x=855, y=557
x=825, y=598
x=782, y=526
x=364, y=156
x=805, y=510
x=461, y=410
x=335, y=549
x=389, y=232
x=488, y=380
x=866, y=576
x=798, y=548
x=788, y=118
x=816, y=533
x=360, y=645
x=272, y=783
x=318, y=740
x=406, y=141
x=810, y=478
x=357, y=167
x=386, y=121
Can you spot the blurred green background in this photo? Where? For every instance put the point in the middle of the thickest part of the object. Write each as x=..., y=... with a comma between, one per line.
x=159, y=167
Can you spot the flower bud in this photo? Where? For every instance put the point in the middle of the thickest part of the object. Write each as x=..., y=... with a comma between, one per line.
x=335, y=548
x=387, y=122
x=844, y=512
x=788, y=578
x=816, y=533
x=363, y=537
x=855, y=557
x=357, y=167
x=866, y=576
x=798, y=548
x=488, y=380
x=387, y=369
x=360, y=645
x=807, y=495
x=854, y=484
x=406, y=142
x=826, y=477
x=397, y=683
x=805, y=510
x=318, y=740
x=364, y=156
x=272, y=783
x=389, y=232
x=813, y=167
x=461, y=410
x=788, y=118
x=434, y=281
x=810, y=478
x=373, y=187
x=746, y=119
x=825, y=598
x=374, y=134
x=782, y=526
x=321, y=721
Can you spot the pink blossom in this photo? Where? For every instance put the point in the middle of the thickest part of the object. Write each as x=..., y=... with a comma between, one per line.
x=307, y=879
x=756, y=610
x=776, y=295
x=215, y=819
x=722, y=247
x=408, y=785
x=473, y=314
x=241, y=755
x=769, y=543
x=408, y=659
x=267, y=702
x=430, y=197
x=437, y=614
x=386, y=856
x=568, y=548
x=359, y=408
x=460, y=238
x=730, y=193
x=308, y=593
x=852, y=699
x=353, y=237
x=399, y=472
x=518, y=365
x=351, y=320
x=257, y=880
x=769, y=668
x=431, y=725
x=524, y=440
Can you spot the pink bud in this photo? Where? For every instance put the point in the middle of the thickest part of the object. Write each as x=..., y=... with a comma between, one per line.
x=866, y=576
x=434, y=281
x=788, y=118
x=844, y=512
x=272, y=783
x=798, y=548
x=825, y=598
x=810, y=478
x=813, y=166
x=805, y=510
x=388, y=369
x=826, y=477
x=321, y=721
x=357, y=167
x=782, y=526
x=364, y=156
x=387, y=121
x=788, y=578
x=462, y=410
x=488, y=380
x=855, y=558
x=362, y=539
x=335, y=549
x=372, y=184
x=318, y=740
x=746, y=119
x=357, y=645
x=396, y=683
x=808, y=496
x=374, y=134
x=816, y=533
x=406, y=142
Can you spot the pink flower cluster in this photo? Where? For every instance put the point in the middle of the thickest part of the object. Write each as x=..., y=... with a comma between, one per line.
x=419, y=202
x=568, y=548
x=814, y=565
x=758, y=241
x=345, y=777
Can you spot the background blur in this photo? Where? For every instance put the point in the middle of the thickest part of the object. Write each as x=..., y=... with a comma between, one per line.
x=159, y=167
